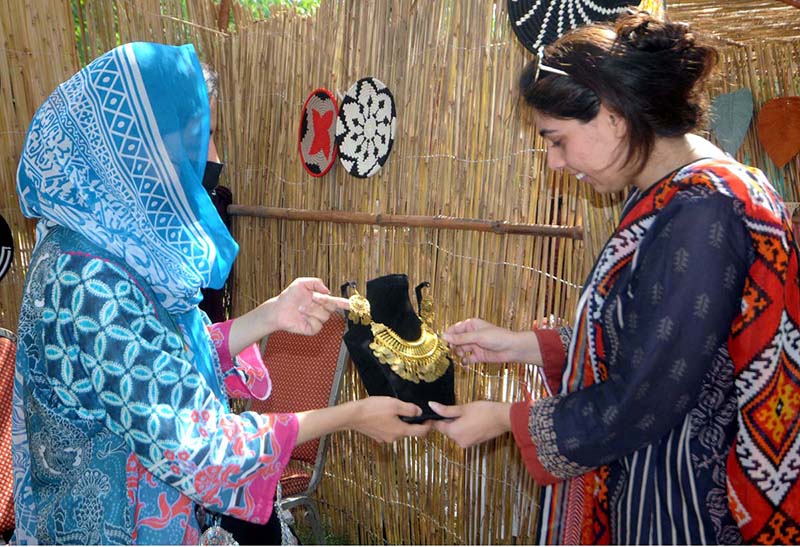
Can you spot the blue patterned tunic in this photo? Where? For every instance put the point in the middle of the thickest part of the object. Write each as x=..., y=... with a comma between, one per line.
x=123, y=432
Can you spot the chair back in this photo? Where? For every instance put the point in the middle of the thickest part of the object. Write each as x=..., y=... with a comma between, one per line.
x=306, y=373
x=8, y=353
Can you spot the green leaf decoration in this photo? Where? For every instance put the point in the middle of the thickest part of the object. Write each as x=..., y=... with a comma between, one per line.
x=731, y=114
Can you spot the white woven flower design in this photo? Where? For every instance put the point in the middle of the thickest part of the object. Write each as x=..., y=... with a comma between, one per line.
x=366, y=126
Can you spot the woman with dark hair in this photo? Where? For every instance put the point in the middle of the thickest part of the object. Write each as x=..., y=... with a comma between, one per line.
x=674, y=400
x=122, y=424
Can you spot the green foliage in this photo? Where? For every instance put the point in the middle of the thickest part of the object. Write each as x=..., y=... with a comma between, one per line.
x=261, y=8
x=302, y=530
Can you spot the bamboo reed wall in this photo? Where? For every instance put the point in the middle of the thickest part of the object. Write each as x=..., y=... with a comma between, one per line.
x=37, y=51
x=464, y=148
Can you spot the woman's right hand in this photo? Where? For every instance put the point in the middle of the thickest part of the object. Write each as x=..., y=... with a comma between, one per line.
x=376, y=417
x=478, y=341
x=302, y=307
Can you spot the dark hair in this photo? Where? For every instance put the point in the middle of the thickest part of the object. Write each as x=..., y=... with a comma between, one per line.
x=648, y=71
x=212, y=81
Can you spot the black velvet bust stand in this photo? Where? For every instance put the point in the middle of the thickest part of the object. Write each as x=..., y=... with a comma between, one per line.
x=390, y=304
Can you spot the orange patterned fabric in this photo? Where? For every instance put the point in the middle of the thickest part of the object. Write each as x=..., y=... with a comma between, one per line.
x=302, y=370
x=8, y=351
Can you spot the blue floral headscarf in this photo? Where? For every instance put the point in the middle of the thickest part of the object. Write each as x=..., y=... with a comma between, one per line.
x=117, y=154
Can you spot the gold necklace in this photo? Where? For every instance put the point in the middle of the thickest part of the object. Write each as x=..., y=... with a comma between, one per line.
x=422, y=359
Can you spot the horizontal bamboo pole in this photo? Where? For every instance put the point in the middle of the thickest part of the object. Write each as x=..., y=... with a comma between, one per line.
x=417, y=221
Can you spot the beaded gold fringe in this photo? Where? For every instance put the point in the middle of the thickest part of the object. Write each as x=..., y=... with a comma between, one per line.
x=423, y=359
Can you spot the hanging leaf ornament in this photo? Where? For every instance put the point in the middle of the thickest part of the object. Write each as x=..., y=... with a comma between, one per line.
x=731, y=114
x=779, y=129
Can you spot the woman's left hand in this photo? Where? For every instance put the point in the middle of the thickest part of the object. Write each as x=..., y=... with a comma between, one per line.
x=303, y=307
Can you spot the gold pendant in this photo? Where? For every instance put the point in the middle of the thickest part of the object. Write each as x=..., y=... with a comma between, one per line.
x=359, y=310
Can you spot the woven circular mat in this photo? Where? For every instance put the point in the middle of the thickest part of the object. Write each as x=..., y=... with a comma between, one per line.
x=6, y=247
x=540, y=22
x=317, y=134
x=366, y=127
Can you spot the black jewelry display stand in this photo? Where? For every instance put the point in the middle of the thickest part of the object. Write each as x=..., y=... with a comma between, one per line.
x=390, y=304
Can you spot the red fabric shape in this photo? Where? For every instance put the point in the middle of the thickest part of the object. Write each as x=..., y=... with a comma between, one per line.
x=317, y=132
x=8, y=353
x=322, y=136
x=302, y=370
x=295, y=479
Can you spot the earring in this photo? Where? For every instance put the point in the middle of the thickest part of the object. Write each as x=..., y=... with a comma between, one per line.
x=425, y=303
x=360, y=312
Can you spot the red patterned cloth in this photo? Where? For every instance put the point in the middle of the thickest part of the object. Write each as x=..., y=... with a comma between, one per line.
x=302, y=370
x=8, y=350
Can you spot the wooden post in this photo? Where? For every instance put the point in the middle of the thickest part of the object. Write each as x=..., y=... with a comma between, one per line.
x=416, y=221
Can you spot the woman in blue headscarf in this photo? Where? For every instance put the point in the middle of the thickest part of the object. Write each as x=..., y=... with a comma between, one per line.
x=121, y=420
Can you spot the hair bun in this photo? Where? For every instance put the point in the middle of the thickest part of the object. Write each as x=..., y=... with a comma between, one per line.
x=640, y=30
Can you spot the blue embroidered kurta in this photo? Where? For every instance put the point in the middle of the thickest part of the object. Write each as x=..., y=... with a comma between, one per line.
x=123, y=432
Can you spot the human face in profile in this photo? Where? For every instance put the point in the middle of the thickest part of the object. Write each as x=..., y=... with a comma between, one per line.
x=593, y=151
x=213, y=155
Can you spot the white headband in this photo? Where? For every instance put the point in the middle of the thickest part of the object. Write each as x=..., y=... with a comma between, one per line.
x=540, y=66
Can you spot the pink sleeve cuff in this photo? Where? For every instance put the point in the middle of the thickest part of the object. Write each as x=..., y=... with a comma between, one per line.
x=246, y=376
x=553, y=358
x=220, y=332
x=520, y=414
x=250, y=378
